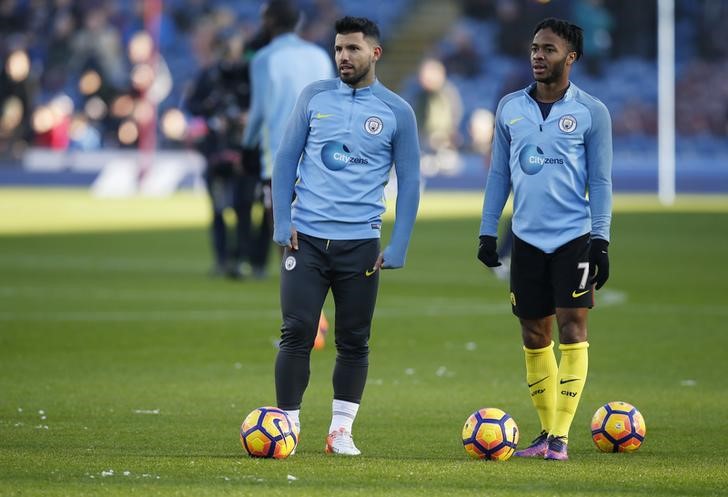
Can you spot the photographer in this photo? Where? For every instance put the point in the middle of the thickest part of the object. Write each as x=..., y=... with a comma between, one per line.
x=221, y=96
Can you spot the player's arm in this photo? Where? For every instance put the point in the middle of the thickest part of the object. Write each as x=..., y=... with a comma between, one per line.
x=258, y=86
x=497, y=189
x=406, y=157
x=598, y=145
x=285, y=166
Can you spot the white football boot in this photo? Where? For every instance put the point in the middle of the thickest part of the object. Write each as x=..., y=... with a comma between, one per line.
x=341, y=442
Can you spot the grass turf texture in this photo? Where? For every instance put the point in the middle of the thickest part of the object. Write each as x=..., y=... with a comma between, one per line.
x=142, y=365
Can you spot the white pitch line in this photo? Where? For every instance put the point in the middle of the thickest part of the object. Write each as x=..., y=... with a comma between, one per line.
x=135, y=316
x=95, y=263
x=86, y=293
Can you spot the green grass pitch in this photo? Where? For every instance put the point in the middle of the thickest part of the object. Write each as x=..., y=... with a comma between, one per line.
x=124, y=370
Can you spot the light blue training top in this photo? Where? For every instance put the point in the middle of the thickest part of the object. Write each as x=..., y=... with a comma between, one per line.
x=278, y=73
x=560, y=169
x=337, y=153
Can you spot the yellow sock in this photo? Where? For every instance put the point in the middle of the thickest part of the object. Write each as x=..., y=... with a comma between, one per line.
x=541, y=372
x=572, y=376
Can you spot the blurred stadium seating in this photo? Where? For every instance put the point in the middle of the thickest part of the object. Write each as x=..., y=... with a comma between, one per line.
x=76, y=76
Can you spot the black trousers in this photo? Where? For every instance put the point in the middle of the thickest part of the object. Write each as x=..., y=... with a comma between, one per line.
x=250, y=241
x=307, y=274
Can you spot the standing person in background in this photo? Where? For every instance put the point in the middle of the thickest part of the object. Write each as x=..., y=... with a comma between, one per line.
x=338, y=150
x=278, y=73
x=438, y=108
x=553, y=147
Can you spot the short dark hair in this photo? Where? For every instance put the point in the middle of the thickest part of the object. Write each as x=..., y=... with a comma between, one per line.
x=349, y=24
x=283, y=14
x=572, y=33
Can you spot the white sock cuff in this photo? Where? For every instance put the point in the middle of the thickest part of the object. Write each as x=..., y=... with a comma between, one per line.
x=343, y=414
x=294, y=417
x=344, y=408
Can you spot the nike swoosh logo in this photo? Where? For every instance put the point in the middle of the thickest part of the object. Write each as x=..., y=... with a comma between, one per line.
x=576, y=294
x=321, y=116
x=562, y=381
x=514, y=121
x=537, y=382
x=369, y=272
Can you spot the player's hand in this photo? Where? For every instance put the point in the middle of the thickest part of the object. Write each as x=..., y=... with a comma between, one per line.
x=487, y=251
x=390, y=259
x=380, y=261
x=294, y=239
x=599, y=261
x=286, y=237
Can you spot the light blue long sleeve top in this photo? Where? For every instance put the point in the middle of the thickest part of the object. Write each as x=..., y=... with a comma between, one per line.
x=559, y=168
x=337, y=152
x=278, y=73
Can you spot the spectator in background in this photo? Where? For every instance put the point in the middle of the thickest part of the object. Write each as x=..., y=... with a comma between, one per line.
x=98, y=44
x=438, y=108
x=278, y=73
x=16, y=91
x=60, y=50
x=460, y=56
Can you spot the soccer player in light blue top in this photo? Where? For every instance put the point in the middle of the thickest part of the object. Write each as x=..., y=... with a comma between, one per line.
x=341, y=142
x=553, y=148
x=279, y=72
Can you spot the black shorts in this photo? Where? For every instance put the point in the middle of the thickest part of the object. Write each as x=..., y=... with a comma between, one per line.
x=541, y=282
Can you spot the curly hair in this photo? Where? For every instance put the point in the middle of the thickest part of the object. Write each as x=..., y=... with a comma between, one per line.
x=572, y=33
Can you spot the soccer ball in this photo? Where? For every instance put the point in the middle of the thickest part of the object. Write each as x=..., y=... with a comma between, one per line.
x=618, y=427
x=490, y=433
x=268, y=432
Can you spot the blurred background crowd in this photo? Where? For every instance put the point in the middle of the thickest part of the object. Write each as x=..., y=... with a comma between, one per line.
x=103, y=74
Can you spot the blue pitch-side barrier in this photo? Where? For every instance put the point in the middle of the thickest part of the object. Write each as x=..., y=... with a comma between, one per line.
x=107, y=172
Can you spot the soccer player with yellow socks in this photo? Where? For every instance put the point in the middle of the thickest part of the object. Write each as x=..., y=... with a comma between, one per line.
x=553, y=148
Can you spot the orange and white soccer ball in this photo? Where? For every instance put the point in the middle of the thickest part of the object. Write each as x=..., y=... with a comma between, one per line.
x=618, y=427
x=490, y=433
x=268, y=432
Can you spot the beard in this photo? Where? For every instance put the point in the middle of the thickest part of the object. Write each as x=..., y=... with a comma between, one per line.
x=556, y=72
x=356, y=76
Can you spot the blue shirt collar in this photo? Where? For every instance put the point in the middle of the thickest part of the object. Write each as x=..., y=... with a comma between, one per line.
x=344, y=88
x=569, y=95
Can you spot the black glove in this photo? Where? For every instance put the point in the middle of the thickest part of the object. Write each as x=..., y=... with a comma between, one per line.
x=599, y=261
x=486, y=251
